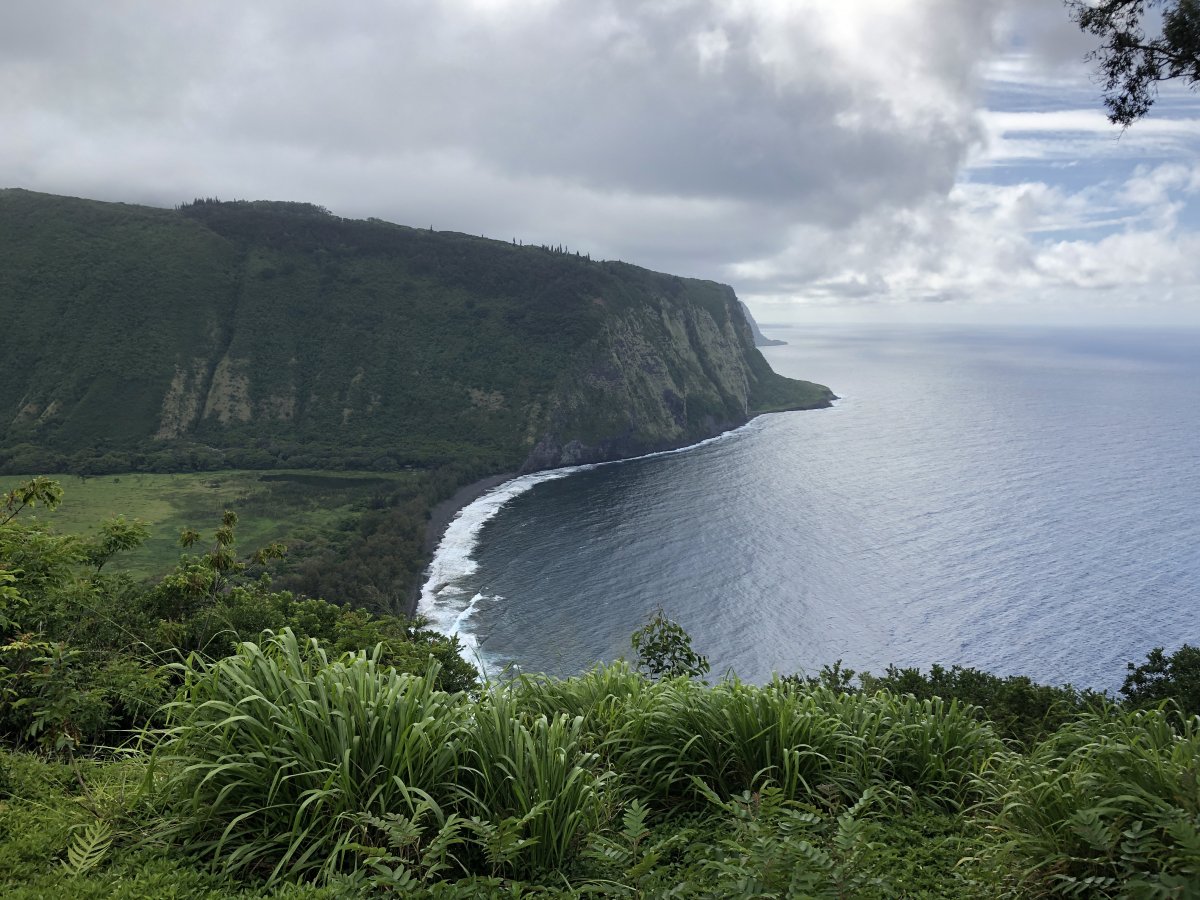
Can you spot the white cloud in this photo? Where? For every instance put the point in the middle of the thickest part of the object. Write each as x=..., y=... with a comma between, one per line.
x=827, y=109
x=1160, y=185
x=987, y=244
x=1080, y=134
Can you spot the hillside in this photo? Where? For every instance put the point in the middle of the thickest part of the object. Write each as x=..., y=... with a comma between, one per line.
x=269, y=334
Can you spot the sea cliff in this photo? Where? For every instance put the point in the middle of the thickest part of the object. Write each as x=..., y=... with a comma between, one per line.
x=674, y=370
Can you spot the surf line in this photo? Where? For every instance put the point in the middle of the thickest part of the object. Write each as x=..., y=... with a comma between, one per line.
x=450, y=607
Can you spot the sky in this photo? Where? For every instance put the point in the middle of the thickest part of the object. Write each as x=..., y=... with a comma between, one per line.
x=874, y=160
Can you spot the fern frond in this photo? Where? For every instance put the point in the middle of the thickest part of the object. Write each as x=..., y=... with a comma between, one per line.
x=88, y=847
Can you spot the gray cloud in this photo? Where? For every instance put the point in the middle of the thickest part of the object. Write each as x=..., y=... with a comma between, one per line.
x=683, y=99
x=793, y=146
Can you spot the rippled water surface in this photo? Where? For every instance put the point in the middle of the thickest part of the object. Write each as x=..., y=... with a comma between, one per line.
x=1018, y=500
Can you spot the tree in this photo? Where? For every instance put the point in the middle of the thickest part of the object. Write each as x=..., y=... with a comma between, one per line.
x=1174, y=677
x=29, y=494
x=664, y=649
x=1131, y=62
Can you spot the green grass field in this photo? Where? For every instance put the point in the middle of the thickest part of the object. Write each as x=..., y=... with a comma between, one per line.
x=282, y=506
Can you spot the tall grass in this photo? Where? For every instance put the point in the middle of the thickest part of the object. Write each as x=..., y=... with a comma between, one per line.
x=734, y=737
x=676, y=740
x=274, y=756
x=1107, y=806
x=286, y=763
x=935, y=747
x=601, y=697
x=533, y=772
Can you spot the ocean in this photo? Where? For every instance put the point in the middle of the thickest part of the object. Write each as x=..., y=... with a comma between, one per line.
x=1021, y=500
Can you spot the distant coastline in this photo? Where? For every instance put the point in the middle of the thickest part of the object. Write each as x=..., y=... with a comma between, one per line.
x=760, y=339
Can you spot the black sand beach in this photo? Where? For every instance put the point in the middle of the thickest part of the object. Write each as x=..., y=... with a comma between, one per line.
x=440, y=518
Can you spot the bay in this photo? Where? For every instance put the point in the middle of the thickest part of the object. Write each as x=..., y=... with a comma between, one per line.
x=1020, y=500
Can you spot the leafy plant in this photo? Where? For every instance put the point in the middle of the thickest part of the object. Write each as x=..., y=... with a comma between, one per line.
x=533, y=780
x=29, y=494
x=1108, y=806
x=778, y=848
x=664, y=650
x=420, y=845
x=1132, y=63
x=273, y=757
x=88, y=848
x=635, y=851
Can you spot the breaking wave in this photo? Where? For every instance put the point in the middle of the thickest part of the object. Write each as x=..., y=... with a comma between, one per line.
x=445, y=602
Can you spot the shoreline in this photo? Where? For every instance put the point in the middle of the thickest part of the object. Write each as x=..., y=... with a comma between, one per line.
x=440, y=518
x=443, y=513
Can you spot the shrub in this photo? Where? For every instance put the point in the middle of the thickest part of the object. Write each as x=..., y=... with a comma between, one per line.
x=664, y=650
x=1174, y=678
x=1019, y=708
x=1108, y=806
x=60, y=698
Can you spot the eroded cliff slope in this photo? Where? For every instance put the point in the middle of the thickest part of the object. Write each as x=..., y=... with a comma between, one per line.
x=679, y=367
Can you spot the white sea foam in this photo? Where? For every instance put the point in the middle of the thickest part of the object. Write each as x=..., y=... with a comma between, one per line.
x=444, y=602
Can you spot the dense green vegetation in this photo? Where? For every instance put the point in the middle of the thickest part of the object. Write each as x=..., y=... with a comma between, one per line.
x=89, y=650
x=284, y=505
x=204, y=734
x=357, y=536
x=254, y=335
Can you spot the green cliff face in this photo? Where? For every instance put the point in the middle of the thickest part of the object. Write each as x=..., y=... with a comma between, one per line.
x=278, y=334
x=675, y=369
